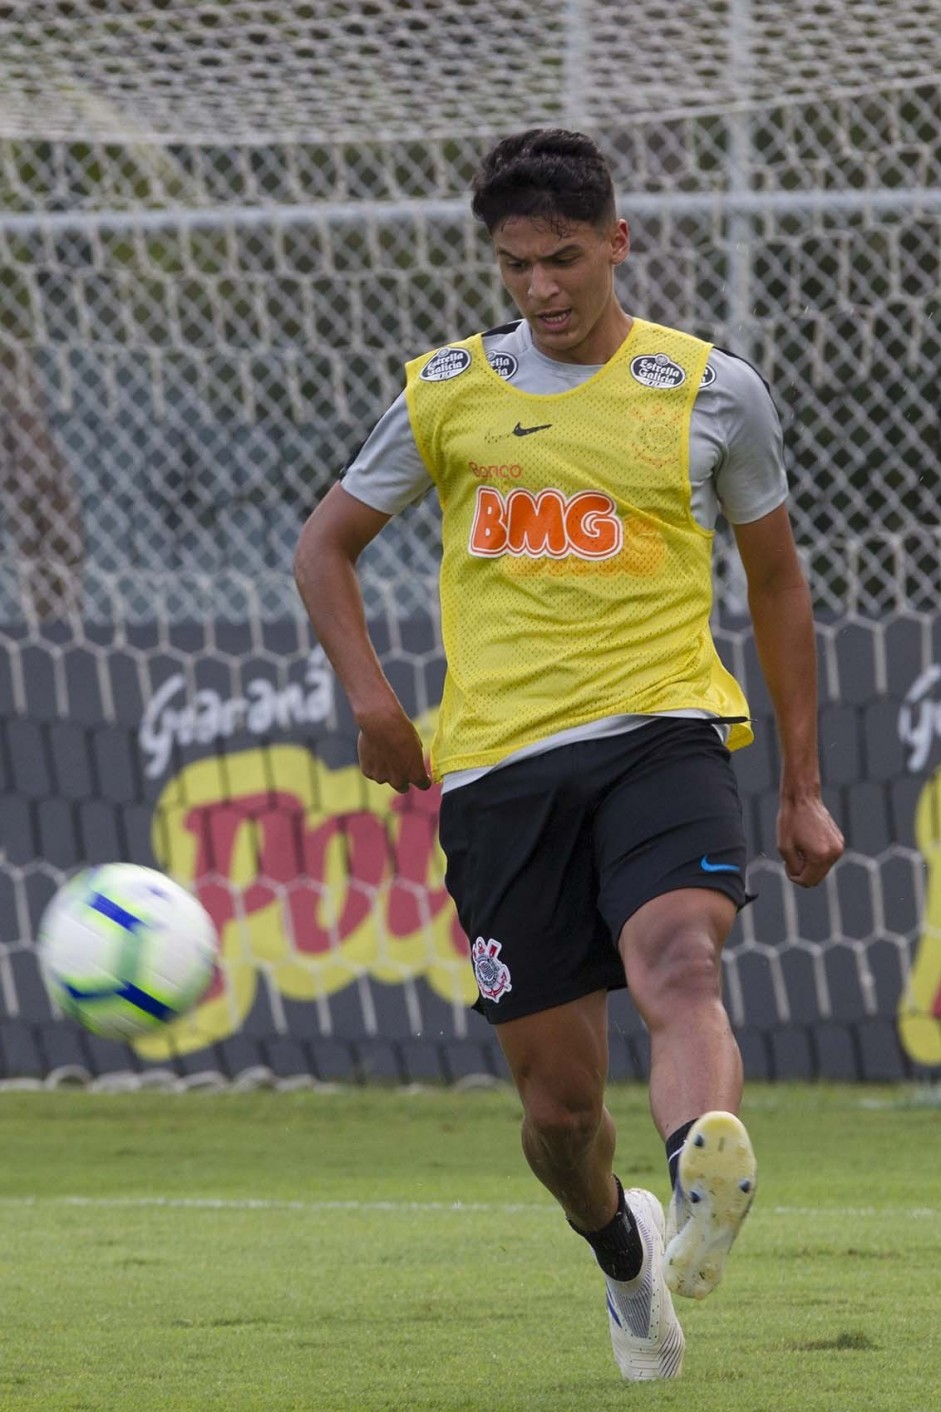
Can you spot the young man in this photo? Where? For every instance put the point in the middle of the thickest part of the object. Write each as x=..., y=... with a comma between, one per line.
x=590, y=816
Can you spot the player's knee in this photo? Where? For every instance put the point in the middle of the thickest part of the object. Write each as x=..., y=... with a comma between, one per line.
x=562, y=1124
x=683, y=973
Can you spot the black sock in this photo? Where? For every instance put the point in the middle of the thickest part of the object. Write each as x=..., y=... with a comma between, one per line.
x=674, y=1145
x=617, y=1245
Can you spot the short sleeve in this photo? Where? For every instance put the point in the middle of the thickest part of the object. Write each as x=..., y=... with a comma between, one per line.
x=750, y=477
x=388, y=473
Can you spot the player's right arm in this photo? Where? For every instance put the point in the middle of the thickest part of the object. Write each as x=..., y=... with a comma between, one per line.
x=331, y=541
x=385, y=476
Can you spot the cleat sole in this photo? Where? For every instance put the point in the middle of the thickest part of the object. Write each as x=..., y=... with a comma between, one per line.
x=717, y=1175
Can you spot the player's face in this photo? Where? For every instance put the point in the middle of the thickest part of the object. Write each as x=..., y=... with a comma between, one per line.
x=562, y=281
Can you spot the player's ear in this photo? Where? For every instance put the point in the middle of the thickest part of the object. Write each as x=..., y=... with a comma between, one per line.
x=620, y=241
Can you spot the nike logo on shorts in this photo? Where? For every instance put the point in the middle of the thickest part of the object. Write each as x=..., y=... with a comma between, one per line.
x=708, y=867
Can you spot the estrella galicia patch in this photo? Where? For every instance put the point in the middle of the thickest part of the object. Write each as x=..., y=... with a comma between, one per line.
x=446, y=363
x=504, y=364
x=657, y=370
x=708, y=376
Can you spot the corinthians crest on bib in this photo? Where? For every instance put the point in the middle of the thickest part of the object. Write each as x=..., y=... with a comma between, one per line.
x=493, y=975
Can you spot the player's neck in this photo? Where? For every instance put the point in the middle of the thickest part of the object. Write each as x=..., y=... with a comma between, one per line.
x=598, y=346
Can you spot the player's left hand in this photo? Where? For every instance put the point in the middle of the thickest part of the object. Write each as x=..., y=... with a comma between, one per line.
x=808, y=839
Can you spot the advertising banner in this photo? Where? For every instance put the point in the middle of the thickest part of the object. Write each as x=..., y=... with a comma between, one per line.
x=225, y=754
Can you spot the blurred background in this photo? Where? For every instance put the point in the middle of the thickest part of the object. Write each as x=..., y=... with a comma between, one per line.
x=223, y=229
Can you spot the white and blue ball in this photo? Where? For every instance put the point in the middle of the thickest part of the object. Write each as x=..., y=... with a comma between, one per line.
x=124, y=950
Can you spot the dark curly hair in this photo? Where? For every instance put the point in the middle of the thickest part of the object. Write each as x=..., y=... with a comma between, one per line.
x=545, y=173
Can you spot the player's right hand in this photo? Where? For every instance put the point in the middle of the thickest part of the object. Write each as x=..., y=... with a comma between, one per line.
x=390, y=751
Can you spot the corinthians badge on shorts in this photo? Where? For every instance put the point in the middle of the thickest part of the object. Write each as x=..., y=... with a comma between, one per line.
x=493, y=976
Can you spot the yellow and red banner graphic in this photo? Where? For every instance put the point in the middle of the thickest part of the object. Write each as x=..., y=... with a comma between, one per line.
x=919, y=1016
x=314, y=877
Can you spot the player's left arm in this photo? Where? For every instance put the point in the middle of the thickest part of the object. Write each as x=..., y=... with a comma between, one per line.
x=782, y=617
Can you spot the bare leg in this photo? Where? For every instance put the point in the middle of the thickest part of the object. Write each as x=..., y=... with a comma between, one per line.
x=559, y=1062
x=559, y=1059
x=672, y=949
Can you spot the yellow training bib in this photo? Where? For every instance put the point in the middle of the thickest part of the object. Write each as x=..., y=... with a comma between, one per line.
x=575, y=582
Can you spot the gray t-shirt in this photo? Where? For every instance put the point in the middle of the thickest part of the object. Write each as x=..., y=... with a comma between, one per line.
x=736, y=456
x=736, y=468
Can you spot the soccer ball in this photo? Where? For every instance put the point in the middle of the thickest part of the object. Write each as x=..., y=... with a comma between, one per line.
x=124, y=949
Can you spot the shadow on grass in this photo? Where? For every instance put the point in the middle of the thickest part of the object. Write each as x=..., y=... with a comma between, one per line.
x=848, y=1340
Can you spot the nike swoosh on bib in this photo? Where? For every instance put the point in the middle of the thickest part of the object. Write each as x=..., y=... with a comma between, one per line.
x=528, y=431
x=708, y=867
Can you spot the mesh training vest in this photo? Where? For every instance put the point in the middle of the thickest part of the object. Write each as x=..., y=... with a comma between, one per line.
x=575, y=582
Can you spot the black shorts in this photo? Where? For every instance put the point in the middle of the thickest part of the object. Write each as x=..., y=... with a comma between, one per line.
x=549, y=857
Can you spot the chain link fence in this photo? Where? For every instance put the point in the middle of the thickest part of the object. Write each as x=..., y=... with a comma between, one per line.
x=225, y=228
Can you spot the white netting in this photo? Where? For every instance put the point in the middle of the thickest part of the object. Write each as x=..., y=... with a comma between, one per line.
x=225, y=226
x=209, y=72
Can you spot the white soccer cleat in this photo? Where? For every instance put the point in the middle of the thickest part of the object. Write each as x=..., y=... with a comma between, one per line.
x=646, y=1336
x=713, y=1194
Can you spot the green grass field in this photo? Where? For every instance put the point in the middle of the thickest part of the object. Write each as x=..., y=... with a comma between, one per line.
x=383, y=1251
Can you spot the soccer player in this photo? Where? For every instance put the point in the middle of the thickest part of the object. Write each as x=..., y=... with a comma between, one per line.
x=589, y=812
